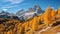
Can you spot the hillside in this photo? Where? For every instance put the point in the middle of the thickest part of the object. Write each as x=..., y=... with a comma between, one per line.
x=45, y=23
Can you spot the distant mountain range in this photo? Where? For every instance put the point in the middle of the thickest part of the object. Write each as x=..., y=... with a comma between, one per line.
x=23, y=15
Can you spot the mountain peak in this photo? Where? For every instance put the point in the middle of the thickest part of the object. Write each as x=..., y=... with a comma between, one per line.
x=36, y=5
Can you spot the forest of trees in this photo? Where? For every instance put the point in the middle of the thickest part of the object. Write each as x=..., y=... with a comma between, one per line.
x=30, y=26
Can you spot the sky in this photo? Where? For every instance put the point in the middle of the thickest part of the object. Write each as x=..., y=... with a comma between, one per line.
x=13, y=6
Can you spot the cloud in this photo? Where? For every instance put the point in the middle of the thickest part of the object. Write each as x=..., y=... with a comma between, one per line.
x=4, y=9
x=14, y=1
x=11, y=6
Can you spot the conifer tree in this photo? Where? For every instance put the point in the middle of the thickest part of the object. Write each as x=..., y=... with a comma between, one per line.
x=53, y=14
x=59, y=11
x=34, y=24
x=47, y=16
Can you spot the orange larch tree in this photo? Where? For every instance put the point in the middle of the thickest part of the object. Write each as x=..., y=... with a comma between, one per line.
x=34, y=24
x=53, y=14
x=47, y=16
x=59, y=11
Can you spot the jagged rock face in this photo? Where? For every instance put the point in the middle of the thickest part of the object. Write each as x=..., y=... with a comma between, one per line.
x=4, y=13
x=22, y=19
x=4, y=16
x=30, y=10
x=21, y=12
x=34, y=11
x=38, y=9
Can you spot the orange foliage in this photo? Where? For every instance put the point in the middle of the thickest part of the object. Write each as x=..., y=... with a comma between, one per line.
x=47, y=15
x=59, y=10
x=53, y=14
x=15, y=27
x=9, y=32
x=34, y=24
